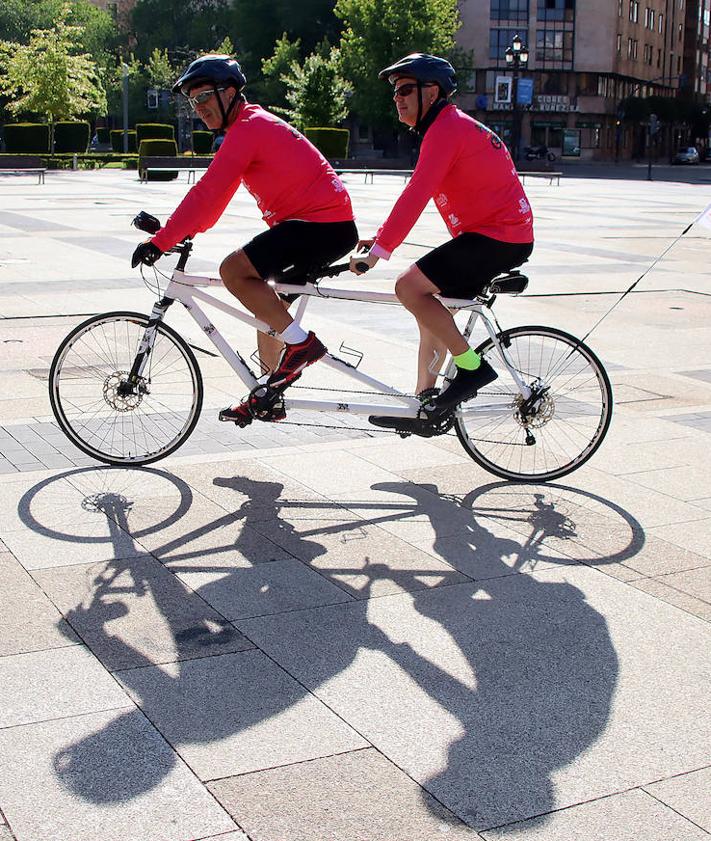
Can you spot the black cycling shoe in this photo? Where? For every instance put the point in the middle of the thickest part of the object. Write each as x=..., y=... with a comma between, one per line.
x=415, y=426
x=464, y=386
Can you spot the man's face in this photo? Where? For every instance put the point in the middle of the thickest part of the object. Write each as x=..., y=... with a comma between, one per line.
x=209, y=111
x=405, y=96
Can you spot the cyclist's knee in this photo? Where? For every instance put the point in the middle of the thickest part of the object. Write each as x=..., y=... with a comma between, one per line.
x=412, y=285
x=235, y=269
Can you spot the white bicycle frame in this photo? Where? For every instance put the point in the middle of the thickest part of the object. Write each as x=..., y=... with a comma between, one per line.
x=188, y=289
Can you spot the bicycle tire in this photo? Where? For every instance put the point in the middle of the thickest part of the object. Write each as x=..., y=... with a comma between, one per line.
x=497, y=441
x=88, y=365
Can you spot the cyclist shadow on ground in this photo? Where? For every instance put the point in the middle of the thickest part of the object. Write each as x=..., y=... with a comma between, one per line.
x=540, y=669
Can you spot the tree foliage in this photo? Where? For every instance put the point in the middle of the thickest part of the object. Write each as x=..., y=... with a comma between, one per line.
x=48, y=76
x=272, y=88
x=186, y=27
x=160, y=73
x=316, y=92
x=378, y=32
x=258, y=25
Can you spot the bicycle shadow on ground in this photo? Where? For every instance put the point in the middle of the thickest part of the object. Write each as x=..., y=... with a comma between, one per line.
x=535, y=667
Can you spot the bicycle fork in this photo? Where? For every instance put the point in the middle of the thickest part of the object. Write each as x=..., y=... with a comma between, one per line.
x=145, y=346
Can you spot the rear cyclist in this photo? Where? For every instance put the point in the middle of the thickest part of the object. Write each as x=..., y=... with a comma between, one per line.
x=301, y=198
x=469, y=173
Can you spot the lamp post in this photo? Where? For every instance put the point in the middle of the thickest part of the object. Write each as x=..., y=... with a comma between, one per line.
x=516, y=58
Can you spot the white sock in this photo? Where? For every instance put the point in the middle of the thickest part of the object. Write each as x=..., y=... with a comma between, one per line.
x=293, y=334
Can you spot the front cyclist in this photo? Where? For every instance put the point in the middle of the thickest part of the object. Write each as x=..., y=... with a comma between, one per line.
x=301, y=198
x=469, y=173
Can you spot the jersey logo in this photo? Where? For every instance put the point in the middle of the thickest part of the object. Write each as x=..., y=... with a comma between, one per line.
x=441, y=200
x=523, y=207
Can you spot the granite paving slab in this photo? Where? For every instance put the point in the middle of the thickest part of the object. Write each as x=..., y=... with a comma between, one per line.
x=55, y=684
x=346, y=473
x=360, y=558
x=625, y=817
x=36, y=550
x=694, y=582
x=136, y=613
x=237, y=713
x=689, y=604
x=108, y=769
x=694, y=535
x=28, y=620
x=351, y=797
x=239, y=592
x=510, y=697
x=687, y=794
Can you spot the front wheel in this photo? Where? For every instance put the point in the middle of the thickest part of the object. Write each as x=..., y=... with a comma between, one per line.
x=551, y=156
x=102, y=413
x=554, y=431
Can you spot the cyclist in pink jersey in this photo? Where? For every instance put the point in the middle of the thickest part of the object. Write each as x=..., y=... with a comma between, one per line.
x=468, y=172
x=301, y=198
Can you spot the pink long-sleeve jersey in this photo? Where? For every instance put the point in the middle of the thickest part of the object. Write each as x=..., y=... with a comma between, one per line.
x=469, y=173
x=287, y=176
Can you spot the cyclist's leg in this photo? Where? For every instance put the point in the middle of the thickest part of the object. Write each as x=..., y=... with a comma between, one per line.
x=245, y=282
x=430, y=357
x=270, y=348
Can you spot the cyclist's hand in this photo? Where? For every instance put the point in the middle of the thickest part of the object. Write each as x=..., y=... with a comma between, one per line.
x=365, y=245
x=358, y=264
x=146, y=253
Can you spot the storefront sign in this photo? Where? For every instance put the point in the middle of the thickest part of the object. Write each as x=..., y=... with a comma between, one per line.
x=502, y=93
x=524, y=91
x=560, y=104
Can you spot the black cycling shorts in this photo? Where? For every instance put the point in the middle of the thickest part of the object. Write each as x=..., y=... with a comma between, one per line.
x=304, y=246
x=462, y=267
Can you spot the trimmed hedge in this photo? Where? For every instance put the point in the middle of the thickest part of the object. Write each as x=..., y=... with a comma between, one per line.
x=154, y=131
x=158, y=148
x=71, y=136
x=26, y=137
x=331, y=142
x=117, y=140
x=202, y=142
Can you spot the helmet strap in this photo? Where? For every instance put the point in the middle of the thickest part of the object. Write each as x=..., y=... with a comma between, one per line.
x=237, y=98
x=419, y=105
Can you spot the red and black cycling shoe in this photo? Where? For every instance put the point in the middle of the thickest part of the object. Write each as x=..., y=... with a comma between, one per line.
x=294, y=359
x=242, y=416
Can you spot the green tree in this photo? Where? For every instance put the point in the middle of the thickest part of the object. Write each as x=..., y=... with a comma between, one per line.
x=316, y=92
x=377, y=33
x=272, y=87
x=160, y=73
x=258, y=26
x=48, y=77
x=225, y=47
x=189, y=28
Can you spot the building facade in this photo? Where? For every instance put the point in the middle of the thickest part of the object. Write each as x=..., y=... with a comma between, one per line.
x=585, y=58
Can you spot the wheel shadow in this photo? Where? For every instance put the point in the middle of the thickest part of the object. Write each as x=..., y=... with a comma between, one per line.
x=540, y=669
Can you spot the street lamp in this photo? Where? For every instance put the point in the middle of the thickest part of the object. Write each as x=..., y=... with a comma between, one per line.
x=516, y=58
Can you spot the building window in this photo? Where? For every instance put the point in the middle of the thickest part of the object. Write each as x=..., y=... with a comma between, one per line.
x=619, y=43
x=554, y=45
x=500, y=39
x=646, y=17
x=634, y=11
x=659, y=58
x=660, y=21
x=651, y=19
x=681, y=32
x=555, y=10
x=510, y=10
x=619, y=8
x=648, y=53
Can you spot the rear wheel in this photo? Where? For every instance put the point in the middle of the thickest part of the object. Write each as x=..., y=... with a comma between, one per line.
x=103, y=414
x=558, y=428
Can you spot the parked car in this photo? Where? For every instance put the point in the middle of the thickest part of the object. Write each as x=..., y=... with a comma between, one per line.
x=686, y=155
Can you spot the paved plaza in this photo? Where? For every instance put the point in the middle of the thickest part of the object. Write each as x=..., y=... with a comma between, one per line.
x=299, y=633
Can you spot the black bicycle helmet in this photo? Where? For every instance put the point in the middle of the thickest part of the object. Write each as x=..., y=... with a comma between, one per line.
x=424, y=68
x=211, y=70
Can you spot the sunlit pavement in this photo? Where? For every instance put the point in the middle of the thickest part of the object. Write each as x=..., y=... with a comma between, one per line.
x=332, y=634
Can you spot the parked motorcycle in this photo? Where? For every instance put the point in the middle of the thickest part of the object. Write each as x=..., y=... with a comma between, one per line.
x=540, y=153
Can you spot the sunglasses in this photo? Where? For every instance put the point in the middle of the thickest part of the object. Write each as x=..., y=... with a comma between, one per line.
x=201, y=98
x=408, y=88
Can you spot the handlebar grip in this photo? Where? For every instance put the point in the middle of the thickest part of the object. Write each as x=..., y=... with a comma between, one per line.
x=362, y=267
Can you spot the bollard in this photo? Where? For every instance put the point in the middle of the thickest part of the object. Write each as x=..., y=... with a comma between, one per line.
x=75, y=165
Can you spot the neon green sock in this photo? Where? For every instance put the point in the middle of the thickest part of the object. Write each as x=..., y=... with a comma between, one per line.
x=469, y=360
